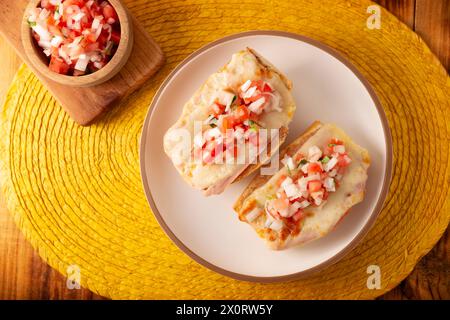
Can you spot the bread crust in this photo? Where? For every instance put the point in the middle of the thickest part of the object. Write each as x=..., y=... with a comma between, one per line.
x=316, y=229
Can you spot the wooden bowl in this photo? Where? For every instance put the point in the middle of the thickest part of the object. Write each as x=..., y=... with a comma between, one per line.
x=38, y=59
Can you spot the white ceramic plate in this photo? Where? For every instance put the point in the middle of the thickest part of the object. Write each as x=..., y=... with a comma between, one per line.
x=326, y=88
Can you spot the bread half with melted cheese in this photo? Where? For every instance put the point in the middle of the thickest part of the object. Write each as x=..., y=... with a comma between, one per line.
x=256, y=204
x=245, y=67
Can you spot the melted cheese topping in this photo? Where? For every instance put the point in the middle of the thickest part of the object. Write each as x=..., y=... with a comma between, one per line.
x=321, y=219
x=243, y=66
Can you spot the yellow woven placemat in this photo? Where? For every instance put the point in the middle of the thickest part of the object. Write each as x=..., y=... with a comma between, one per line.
x=76, y=192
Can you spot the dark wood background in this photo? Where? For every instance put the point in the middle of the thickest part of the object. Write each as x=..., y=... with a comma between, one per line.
x=23, y=275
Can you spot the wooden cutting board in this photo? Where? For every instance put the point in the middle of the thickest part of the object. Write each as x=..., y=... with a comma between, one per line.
x=84, y=105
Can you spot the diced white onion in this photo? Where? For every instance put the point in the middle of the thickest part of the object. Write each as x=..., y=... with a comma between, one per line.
x=64, y=55
x=256, y=105
x=252, y=215
x=47, y=52
x=98, y=65
x=239, y=134
x=56, y=41
x=339, y=148
x=213, y=133
x=332, y=173
x=274, y=101
x=292, y=191
x=314, y=153
x=44, y=44
x=293, y=208
x=329, y=184
x=44, y=14
x=77, y=17
x=289, y=162
x=302, y=184
x=304, y=204
x=277, y=225
x=330, y=164
x=249, y=93
x=304, y=168
x=198, y=140
x=246, y=85
x=96, y=23
x=287, y=181
x=313, y=177
x=43, y=33
x=347, y=159
x=82, y=62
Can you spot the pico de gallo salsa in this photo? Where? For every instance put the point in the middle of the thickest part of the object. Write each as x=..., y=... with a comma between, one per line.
x=234, y=118
x=78, y=36
x=309, y=181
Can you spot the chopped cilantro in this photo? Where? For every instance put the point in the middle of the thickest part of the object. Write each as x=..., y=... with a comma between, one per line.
x=32, y=23
x=302, y=162
x=325, y=159
x=212, y=122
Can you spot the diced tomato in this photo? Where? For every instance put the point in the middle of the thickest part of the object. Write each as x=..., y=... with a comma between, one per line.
x=36, y=37
x=91, y=37
x=109, y=12
x=65, y=27
x=342, y=161
x=55, y=51
x=47, y=5
x=241, y=114
x=54, y=30
x=92, y=47
x=216, y=109
x=253, y=116
x=58, y=65
x=258, y=84
x=281, y=179
x=283, y=195
x=103, y=38
x=115, y=36
x=235, y=150
x=50, y=20
x=253, y=98
x=267, y=88
x=227, y=123
x=314, y=186
x=79, y=3
x=298, y=215
x=280, y=204
x=336, y=141
x=95, y=9
x=313, y=168
x=325, y=195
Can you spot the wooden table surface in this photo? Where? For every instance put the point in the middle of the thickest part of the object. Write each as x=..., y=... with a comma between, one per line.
x=23, y=275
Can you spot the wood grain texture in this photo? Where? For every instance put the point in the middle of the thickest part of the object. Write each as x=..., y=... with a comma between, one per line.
x=84, y=105
x=23, y=275
x=432, y=23
x=402, y=9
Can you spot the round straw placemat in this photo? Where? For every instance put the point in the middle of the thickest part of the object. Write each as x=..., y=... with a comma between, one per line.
x=76, y=192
